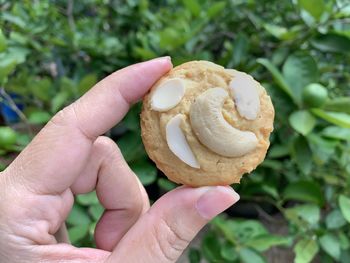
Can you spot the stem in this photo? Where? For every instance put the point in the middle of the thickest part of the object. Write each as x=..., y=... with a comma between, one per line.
x=70, y=6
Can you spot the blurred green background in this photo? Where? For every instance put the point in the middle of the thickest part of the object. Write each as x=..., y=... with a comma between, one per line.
x=296, y=205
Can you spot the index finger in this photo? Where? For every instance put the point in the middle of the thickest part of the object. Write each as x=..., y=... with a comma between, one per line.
x=55, y=157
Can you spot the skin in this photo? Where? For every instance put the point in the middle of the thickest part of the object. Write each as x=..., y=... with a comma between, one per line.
x=68, y=157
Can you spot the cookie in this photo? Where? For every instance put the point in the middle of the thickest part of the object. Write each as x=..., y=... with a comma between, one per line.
x=203, y=124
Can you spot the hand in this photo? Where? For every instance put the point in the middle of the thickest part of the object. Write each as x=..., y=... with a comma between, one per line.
x=69, y=157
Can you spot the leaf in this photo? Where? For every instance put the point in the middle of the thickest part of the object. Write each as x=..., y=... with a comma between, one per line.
x=248, y=255
x=193, y=6
x=332, y=42
x=194, y=255
x=86, y=83
x=340, y=104
x=265, y=242
x=302, y=121
x=309, y=213
x=275, y=30
x=77, y=233
x=96, y=211
x=131, y=146
x=165, y=184
x=132, y=118
x=88, y=199
x=39, y=117
x=306, y=191
x=211, y=248
x=337, y=118
x=78, y=216
x=302, y=155
x=280, y=80
x=305, y=250
x=336, y=132
x=228, y=252
x=41, y=89
x=299, y=70
x=146, y=172
x=7, y=65
x=59, y=100
x=344, y=204
x=215, y=8
x=331, y=245
x=16, y=20
x=240, y=49
x=3, y=41
x=335, y=220
x=313, y=7
x=278, y=151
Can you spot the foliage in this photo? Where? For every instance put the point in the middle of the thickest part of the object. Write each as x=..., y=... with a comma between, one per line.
x=51, y=53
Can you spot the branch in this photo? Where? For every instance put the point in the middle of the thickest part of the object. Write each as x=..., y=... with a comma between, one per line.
x=70, y=7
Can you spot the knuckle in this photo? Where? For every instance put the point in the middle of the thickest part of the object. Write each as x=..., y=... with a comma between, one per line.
x=171, y=242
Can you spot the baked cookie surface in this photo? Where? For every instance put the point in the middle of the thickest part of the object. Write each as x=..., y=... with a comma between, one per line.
x=203, y=124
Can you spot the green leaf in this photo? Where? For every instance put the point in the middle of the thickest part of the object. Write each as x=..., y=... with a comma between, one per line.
x=211, y=248
x=332, y=42
x=131, y=146
x=278, y=77
x=86, y=83
x=7, y=65
x=313, y=7
x=337, y=118
x=146, y=172
x=228, y=252
x=96, y=211
x=264, y=242
x=3, y=41
x=340, y=104
x=16, y=20
x=306, y=191
x=275, y=30
x=59, y=100
x=344, y=204
x=41, y=89
x=299, y=70
x=194, y=255
x=78, y=216
x=331, y=245
x=39, y=117
x=302, y=121
x=248, y=255
x=132, y=118
x=336, y=132
x=305, y=250
x=240, y=49
x=309, y=213
x=77, y=233
x=165, y=184
x=278, y=151
x=215, y=8
x=302, y=154
x=88, y=199
x=335, y=220
x=193, y=6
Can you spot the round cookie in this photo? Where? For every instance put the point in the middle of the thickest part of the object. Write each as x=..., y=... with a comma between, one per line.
x=203, y=124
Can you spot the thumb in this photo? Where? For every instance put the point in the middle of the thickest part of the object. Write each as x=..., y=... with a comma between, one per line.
x=163, y=233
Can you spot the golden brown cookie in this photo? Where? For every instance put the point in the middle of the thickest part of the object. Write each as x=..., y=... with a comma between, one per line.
x=203, y=124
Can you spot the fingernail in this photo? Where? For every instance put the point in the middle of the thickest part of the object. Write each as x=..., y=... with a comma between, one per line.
x=168, y=58
x=216, y=200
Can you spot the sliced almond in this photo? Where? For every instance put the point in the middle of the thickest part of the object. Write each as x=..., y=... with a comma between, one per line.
x=245, y=94
x=168, y=95
x=177, y=142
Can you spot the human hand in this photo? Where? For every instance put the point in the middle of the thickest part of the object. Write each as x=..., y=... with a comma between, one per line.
x=69, y=157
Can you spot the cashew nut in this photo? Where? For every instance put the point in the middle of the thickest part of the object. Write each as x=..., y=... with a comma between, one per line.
x=213, y=131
